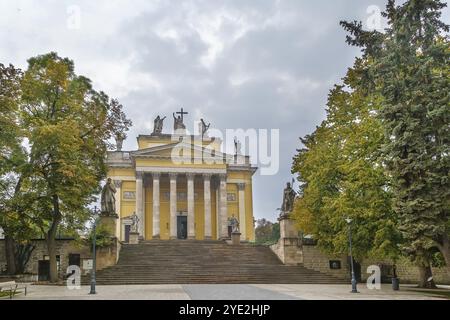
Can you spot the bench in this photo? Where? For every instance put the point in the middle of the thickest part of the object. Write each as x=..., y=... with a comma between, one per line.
x=12, y=287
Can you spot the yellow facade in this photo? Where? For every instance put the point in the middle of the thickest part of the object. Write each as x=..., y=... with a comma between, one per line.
x=136, y=173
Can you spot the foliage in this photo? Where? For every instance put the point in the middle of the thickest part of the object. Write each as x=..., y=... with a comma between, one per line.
x=411, y=72
x=67, y=127
x=341, y=176
x=103, y=237
x=266, y=232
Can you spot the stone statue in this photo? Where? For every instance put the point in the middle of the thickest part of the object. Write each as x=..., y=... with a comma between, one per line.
x=205, y=127
x=134, y=222
x=237, y=146
x=178, y=121
x=234, y=223
x=120, y=137
x=288, y=199
x=108, y=199
x=158, y=125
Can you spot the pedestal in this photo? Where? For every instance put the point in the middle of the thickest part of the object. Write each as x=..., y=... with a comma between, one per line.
x=287, y=227
x=236, y=238
x=109, y=223
x=134, y=238
x=289, y=248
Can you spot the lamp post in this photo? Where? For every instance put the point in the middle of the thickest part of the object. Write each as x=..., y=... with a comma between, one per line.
x=354, y=285
x=94, y=254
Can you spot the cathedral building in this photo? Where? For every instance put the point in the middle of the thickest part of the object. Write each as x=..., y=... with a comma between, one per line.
x=181, y=186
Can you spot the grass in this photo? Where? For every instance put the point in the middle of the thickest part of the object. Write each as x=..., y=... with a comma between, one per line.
x=435, y=293
x=6, y=293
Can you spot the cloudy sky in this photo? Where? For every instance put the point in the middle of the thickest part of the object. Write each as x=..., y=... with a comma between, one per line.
x=263, y=64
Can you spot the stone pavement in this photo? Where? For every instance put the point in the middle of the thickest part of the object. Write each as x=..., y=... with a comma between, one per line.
x=222, y=292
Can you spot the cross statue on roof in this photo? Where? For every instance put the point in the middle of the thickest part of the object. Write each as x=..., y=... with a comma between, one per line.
x=178, y=121
x=182, y=113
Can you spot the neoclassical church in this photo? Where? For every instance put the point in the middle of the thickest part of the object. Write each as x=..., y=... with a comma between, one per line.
x=181, y=186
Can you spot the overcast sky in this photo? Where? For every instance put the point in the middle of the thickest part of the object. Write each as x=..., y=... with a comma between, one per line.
x=238, y=64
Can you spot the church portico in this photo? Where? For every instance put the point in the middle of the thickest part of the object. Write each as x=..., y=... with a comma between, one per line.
x=192, y=199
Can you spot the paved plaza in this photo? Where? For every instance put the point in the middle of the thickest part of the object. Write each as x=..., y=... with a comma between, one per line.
x=225, y=292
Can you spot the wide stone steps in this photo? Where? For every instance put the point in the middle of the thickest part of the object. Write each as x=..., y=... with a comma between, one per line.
x=203, y=262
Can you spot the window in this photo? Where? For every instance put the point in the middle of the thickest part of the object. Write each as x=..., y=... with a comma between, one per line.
x=231, y=196
x=58, y=261
x=129, y=195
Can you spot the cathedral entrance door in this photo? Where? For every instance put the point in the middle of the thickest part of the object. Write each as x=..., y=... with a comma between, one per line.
x=181, y=227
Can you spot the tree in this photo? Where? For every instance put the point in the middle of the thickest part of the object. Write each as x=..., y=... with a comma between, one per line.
x=68, y=126
x=410, y=70
x=12, y=160
x=341, y=176
x=266, y=231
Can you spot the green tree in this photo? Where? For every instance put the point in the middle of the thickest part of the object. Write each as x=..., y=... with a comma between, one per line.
x=341, y=176
x=68, y=129
x=13, y=221
x=266, y=232
x=410, y=70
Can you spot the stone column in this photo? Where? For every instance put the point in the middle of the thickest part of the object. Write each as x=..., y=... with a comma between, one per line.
x=173, y=205
x=207, y=201
x=190, y=204
x=156, y=218
x=242, y=217
x=140, y=200
x=223, y=207
x=118, y=185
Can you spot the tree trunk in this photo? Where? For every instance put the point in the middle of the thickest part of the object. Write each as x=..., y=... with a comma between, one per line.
x=51, y=240
x=10, y=246
x=23, y=255
x=51, y=246
x=425, y=277
x=445, y=250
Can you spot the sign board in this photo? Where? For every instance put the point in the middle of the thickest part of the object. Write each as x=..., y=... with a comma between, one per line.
x=88, y=264
x=335, y=264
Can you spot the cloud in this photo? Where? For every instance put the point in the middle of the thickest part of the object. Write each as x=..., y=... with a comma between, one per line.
x=237, y=63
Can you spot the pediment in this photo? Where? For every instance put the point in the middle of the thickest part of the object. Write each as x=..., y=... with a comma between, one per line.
x=168, y=149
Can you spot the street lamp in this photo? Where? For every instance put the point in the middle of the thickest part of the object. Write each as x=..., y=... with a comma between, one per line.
x=354, y=285
x=94, y=254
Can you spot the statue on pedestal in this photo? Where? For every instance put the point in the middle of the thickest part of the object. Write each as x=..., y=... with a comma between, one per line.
x=158, y=125
x=237, y=147
x=204, y=127
x=178, y=120
x=108, y=199
x=288, y=200
x=134, y=223
x=234, y=223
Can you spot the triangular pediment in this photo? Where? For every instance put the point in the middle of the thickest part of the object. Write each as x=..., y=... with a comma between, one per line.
x=168, y=149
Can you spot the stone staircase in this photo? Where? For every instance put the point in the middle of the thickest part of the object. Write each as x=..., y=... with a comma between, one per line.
x=203, y=262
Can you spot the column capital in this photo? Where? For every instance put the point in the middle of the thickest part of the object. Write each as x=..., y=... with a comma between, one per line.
x=241, y=186
x=207, y=176
x=118, y=184
x=190, y=175
x=173, y=176
x=223, y=176
x=139, y=175
x=156, y=175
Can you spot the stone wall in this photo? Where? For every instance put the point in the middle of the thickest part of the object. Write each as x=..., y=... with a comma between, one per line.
x=2, y=256
x=105, y=256
x=314, y=259
x=289, y=251
x=406, y=271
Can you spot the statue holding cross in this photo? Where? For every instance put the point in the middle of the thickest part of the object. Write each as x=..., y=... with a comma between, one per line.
x=178, y=120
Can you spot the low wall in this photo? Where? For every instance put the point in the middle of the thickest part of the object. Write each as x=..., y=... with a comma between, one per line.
x=406, y=271
x=314, y=259
x=105, y=256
